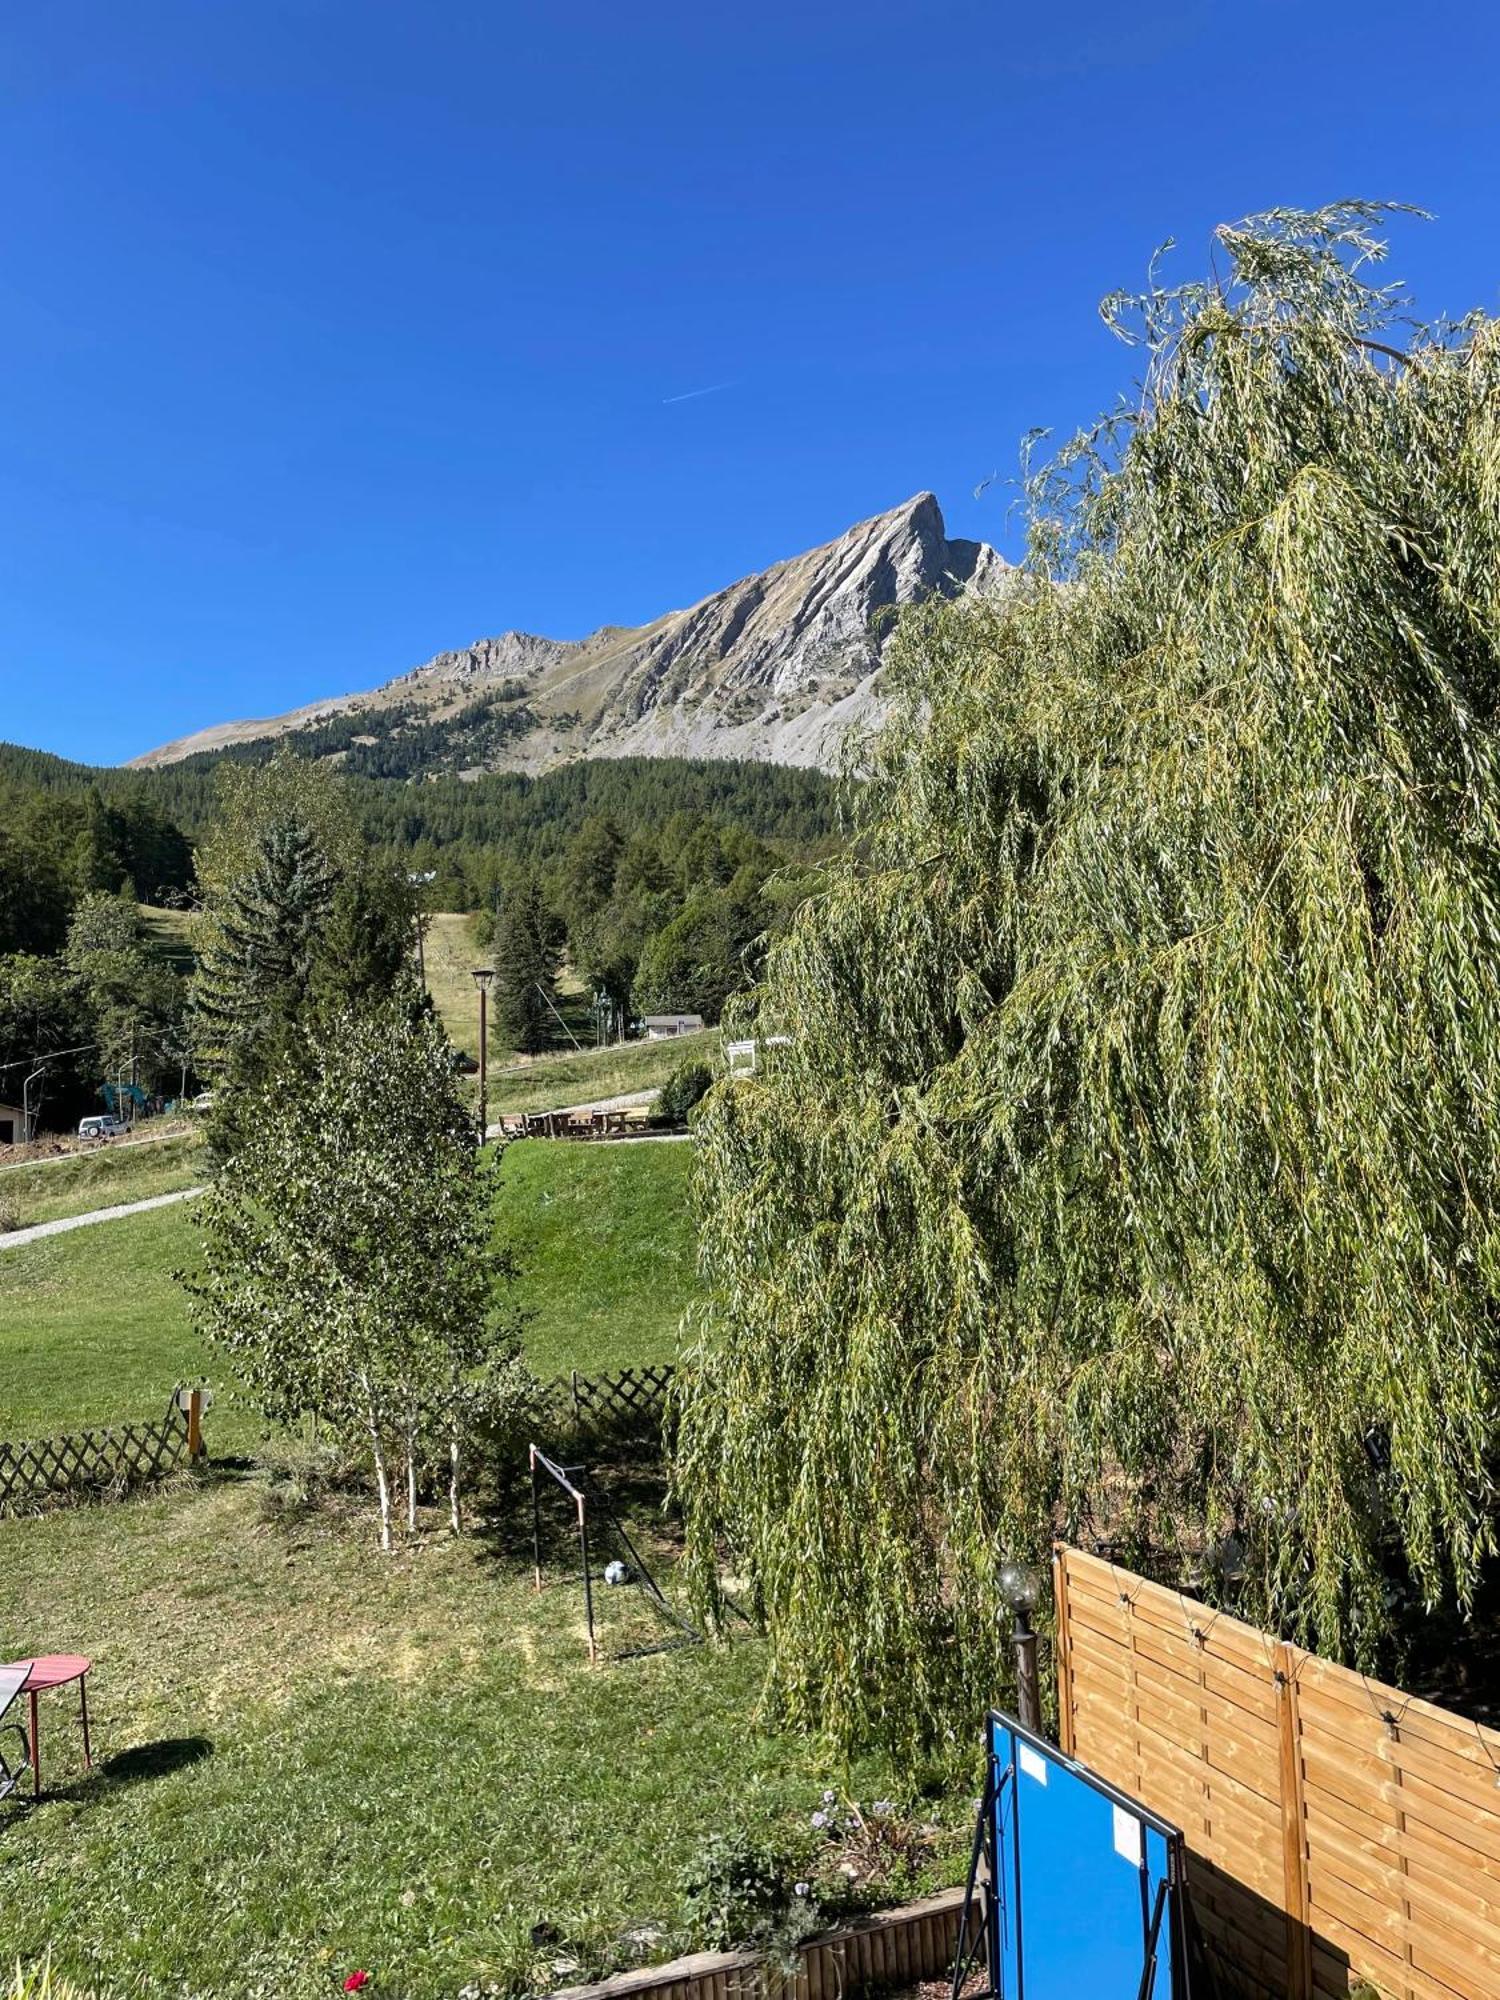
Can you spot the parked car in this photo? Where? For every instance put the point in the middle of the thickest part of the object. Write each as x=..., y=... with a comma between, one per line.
x=105, y=1126
x=204, y=1101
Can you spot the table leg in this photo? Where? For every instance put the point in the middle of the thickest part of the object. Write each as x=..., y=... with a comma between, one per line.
x=83, y=1710
x=36, y=1751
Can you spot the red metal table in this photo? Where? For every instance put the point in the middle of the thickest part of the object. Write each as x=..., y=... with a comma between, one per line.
x=53, y=1670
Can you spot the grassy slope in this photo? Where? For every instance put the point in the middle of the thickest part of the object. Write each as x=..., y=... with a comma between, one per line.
x=605, y=1241
x=169, y=933
x=398, y=1764
x=555, y=1080
x=92, y=1328
x=101, y=1179
x=450, y=952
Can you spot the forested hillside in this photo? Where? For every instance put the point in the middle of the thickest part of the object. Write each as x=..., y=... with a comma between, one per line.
x=659, y=881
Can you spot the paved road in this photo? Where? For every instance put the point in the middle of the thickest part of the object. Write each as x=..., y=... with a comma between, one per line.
x=14, y=1238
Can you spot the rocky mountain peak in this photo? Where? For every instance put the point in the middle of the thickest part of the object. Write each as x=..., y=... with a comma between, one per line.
x=779, y=666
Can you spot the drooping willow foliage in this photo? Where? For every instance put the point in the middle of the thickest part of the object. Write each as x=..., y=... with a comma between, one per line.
x=1131, y=1167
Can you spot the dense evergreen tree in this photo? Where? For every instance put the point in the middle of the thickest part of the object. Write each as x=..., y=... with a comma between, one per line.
x=526, y=962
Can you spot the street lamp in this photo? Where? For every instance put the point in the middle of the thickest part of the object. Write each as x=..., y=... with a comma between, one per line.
x=483, y=978
x=1021, y=1586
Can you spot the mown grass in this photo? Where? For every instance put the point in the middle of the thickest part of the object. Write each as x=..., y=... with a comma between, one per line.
x=314, y=1759
x=93, y=1329
x=48, y=1190
x=606, y=1244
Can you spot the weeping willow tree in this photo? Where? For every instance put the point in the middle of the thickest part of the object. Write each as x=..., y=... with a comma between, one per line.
x=1131, y=1165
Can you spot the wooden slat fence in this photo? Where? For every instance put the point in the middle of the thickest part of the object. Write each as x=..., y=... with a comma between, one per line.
x=893, y=1949
x=1342, y=1835
x=91, y=1462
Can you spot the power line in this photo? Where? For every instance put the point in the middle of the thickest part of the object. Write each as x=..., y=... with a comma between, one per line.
x=50, y=1055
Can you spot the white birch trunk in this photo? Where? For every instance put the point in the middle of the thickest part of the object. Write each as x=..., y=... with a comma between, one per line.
x=454, y=1518
x=382, y=1480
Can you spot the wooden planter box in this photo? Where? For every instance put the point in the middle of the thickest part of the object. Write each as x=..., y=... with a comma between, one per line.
x=893, y=1948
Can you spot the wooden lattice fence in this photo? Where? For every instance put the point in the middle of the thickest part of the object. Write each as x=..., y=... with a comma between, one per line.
x=91, y=1462
x=630, y=1399
x=626, y=1404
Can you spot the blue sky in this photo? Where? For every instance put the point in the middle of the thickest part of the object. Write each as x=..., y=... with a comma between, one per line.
x=337, y=332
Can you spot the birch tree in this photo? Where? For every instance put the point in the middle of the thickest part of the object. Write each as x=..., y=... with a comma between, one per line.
x=348, y=1267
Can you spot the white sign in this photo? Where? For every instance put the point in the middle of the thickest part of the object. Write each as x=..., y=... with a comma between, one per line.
x=1127, y=1836
x=1033, y=1765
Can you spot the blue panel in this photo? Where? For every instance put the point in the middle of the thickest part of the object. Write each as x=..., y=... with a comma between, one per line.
x=1078, y=1870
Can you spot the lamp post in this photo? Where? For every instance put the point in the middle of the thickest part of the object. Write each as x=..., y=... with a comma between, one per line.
x=1020, y=1586
x=483, y=978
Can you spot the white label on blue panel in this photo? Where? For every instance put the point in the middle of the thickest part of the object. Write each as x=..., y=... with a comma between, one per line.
x=1033, y=1765
x=1127, y=1836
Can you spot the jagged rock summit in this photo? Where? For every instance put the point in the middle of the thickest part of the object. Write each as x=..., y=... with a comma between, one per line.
x=778, y=667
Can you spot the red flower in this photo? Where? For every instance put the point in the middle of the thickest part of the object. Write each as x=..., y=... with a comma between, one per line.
x=355, y=1981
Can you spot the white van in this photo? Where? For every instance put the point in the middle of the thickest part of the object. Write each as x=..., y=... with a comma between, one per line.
x=105, y=1127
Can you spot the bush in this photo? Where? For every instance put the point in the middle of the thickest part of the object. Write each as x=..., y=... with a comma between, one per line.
x=738, y=1893
x=684, y=1088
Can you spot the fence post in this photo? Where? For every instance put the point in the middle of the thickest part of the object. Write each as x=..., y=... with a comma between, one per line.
x=1299, y=1981
x=195, y=1423
x=1061, y=1643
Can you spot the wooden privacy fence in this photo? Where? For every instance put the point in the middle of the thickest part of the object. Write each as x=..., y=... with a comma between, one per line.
x=100, y=1461
x=894, y=1948
x=1339, y=1831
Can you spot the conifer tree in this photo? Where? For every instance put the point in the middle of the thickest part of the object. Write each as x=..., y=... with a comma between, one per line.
x=526, y=962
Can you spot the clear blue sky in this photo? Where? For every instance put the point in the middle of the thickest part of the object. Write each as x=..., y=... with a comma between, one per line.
x=335, y=332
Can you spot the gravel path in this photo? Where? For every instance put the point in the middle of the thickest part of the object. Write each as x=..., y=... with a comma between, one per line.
x=14, y=1239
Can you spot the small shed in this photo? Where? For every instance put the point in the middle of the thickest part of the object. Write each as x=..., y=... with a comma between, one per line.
x=12, y=1125
x=664, y=1027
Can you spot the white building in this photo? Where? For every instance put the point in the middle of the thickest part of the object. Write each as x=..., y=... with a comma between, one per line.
x=664, y=1027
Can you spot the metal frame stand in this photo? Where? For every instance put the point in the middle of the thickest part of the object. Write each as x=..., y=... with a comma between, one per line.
x=979, y=1890
x=565, y=1475
x=576, y=1482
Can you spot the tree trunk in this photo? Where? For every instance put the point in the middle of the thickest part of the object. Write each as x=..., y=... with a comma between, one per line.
x=454, y=1518
x=411, y=1468
x=382, y=1481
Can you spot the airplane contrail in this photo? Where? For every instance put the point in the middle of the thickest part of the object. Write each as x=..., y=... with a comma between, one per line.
x=692, y=395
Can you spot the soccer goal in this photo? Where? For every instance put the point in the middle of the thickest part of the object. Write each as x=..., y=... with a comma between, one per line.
x=606, y=1552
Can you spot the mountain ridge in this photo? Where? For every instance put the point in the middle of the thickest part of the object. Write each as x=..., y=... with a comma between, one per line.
x=778, y=667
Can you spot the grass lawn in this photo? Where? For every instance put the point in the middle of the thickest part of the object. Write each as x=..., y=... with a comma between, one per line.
x=93, y=1330
x=606, y=1244
x=314, y=1759
x=51, y=1189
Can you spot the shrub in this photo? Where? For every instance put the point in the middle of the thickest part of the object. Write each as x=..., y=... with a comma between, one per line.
x=737, y=1892
x=684, y=1088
